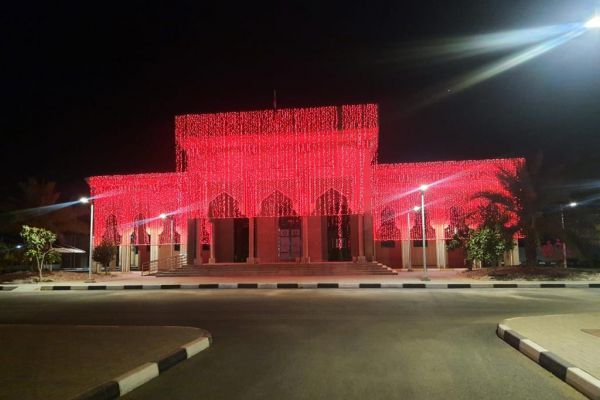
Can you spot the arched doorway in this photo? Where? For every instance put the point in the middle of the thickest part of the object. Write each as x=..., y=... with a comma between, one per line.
x=111, y=235
x=140, y=244
x=334, y=207
x=279, y=220
x=231, y=229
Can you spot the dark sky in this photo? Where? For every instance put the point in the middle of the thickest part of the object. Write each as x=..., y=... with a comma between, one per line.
x=90, y=90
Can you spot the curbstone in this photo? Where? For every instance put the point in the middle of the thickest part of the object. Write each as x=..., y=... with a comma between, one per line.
x=322, y=285
x=584, y=382
x=144, y=373
x=562, y=369
x=137, y=377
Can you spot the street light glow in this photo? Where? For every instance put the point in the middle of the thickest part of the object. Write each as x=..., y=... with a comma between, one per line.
x=19, y=246
x=573, y=204
x=163, y=216
x=593, y=23
x=416, y=208
x=424, y=187
x=84, y=200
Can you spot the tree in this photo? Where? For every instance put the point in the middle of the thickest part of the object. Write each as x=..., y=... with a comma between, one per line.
x=104, y=254
x=38, y=247
x=522, y=198
x=487, y=244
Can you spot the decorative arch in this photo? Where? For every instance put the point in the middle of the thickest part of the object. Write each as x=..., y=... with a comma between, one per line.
x=277, y=205
x=224, y=206
x=139, y=235
x=165, y=235
x=416, y=232
x=111, y=232
x=387, y=228
x=332, y=202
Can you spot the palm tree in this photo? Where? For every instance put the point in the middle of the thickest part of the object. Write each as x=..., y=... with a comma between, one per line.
x=523, y=198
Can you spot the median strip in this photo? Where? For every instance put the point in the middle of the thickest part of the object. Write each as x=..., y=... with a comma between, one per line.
x=142, y=374
x=562, y=369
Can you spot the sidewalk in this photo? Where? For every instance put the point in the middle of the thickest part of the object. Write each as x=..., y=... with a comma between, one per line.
x=567, y=345
x=439, y=279
x=60, y=362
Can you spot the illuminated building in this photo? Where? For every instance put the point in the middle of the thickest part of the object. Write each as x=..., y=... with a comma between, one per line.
x=289, y=185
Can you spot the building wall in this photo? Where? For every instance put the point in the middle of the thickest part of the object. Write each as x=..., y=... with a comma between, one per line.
x=390, y=256
x=224, y=243
x=266, y=239
x=417, y=254
x=316, y=241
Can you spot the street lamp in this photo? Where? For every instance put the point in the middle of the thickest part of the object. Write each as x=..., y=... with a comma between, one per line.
x=593, y=23
x=415, y=209
x=562, y=221
x=86, y=200
x=423, y=188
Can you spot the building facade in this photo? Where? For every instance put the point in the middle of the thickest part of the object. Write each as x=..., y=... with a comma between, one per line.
x=289, y=185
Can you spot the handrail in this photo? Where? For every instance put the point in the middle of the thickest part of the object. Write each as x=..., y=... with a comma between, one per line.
x=153, y=266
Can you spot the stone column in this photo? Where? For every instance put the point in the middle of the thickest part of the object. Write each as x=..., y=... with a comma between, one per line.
x=125, y=250
x=250, y=259
x=211, y=259
x=154, y=232
x=406, y=248
x=304, y=233
x=361, y=239
x=440, y=245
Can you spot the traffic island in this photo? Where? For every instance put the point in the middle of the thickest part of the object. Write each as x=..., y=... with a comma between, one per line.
x=566, y=345
x=89, y=362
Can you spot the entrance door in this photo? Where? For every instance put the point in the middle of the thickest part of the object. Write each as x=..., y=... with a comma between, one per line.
x=289, y=238
x=338, y=238
x=240, y=239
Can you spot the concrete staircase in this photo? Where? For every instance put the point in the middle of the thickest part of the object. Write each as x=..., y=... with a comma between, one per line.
x=281, y=269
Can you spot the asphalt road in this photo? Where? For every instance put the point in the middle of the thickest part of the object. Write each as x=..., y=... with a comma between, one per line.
x=329, y=344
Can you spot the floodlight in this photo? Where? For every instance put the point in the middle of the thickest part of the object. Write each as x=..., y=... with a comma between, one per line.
x=163, y=216
x=416, y=208
x=424, y=187
x=593, y=23
x=573, y=204
x=84, y=200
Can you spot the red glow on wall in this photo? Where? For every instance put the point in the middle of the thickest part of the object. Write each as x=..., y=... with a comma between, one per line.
x=289, y=162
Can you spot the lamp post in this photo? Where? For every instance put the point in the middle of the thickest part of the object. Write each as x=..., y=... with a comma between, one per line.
x=85, y=200
x=415, y=209
x=423, y=188
x=562, y=221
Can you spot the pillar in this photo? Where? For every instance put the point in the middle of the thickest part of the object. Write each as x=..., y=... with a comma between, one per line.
x=361, y=239
x=305, y=253
x=440, y=246
x=154, y=244
x=125, y=251
x=406, y=249
x=251, y=258
x=213, y=230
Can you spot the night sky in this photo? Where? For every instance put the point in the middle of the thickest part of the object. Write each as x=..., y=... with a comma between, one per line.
x=94, y=90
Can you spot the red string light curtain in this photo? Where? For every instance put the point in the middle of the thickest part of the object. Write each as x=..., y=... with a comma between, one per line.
x=448, y=199
x=300, y=153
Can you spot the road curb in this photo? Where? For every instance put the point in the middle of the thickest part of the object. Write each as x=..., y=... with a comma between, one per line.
x=7, y=288
x=144, y=373
x=567, y=372
x=326, y=285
